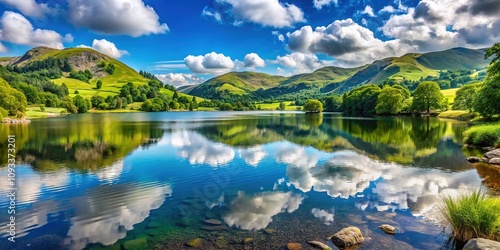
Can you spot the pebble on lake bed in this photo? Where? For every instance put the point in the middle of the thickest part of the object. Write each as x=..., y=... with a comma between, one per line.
x=347, y=237
x=195, y=243
x=294, y=246
x=388, y=229
x=319, y=245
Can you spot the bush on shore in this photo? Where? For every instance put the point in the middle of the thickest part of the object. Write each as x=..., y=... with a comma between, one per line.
x=483, y=135
x=473, y=215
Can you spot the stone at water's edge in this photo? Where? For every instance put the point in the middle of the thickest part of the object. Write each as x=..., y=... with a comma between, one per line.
x=319, y=245
x=388, y=229
x=347, y=237
x=492, y=154
x=481, y=244
x=495, y=161
x=473, y=159
x=294, y=246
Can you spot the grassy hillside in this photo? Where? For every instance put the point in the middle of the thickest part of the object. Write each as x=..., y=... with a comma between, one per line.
x=454, y=59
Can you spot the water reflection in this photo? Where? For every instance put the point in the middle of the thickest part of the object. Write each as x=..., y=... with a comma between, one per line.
x=92, y=180
x=256, y=211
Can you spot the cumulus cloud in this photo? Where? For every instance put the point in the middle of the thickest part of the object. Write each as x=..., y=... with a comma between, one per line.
x=106, y=47
x=253, y=60
x=387, y=9
x=15, y=28
x=116, y=17
x=3, y=48
x=271, y=13
x=256, y=212
x=29, y=7
x=199, y=150
x=209, y=63
x=301, y=63
x=368, y=11
x=318, y=4
x=179, y=79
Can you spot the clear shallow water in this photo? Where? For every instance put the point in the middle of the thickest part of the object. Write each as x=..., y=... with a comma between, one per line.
x=102, y=180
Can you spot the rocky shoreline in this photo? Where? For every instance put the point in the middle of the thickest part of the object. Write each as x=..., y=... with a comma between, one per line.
x=491, y=157
x=8, y=120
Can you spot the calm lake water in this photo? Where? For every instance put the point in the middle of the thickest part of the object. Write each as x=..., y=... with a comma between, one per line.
x=105, y=181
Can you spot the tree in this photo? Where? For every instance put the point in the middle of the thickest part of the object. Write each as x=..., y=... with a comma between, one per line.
x=427, y=96
x=487, y=99
x=176, y=95
x=313, y=106
x=97, y=101
x=333, y=103
x=282, y=106
x=390, y=101
x=464, y=98
x=99, y=84
x=194, y=103
x=226, y=106
x=361, y=100
x=80, y=104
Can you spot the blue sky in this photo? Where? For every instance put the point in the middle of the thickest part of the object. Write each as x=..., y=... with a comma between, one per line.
x=188, y=41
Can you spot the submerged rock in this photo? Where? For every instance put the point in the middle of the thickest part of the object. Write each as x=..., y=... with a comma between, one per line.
x=141, y=243
x=492, y=154
x=294, y=246
x=319, y=245
x=213, y=222
x=195, y=243
x=269, y=230
x=185, y=222
x=495, y=161
x=473, y=159
x=481, y=244
x=347, y=237
x=388, y=229
x=153, y=224
x=247, y=241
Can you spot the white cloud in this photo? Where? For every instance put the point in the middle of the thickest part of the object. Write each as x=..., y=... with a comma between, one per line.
x=325, y=216
x=3, y=48
x=106, y=47
x=387, y=9
x=68, y=38
x=253, y=60
x=271, y=13
x=368, y=11
x=256, y=212
x=253, y=156
x=209, y=63
x=116, y=17
x=179, y=79
x=301, y=63
x=318, y=4
x=15, y=28
x=212, y=13
x=29, y=7
x=198, y=150
x=280, y=36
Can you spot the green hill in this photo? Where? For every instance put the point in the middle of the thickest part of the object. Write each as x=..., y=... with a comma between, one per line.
x=410, y=67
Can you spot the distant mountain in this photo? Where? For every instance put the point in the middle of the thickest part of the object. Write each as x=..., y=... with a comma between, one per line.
x=412, y=66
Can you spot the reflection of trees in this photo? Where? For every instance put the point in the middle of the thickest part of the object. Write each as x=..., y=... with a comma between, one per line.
x=86, y=141
x=397, y=139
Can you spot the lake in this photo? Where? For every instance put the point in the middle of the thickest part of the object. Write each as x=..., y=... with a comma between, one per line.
x=105, y=181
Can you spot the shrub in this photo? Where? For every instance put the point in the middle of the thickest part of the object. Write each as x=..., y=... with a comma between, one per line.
x=473, y=215
x=42, y=107
x=483, y=135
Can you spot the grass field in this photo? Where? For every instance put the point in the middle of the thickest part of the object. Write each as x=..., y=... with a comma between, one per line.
x=35, y=112
x=275, y=105
x=450, y=94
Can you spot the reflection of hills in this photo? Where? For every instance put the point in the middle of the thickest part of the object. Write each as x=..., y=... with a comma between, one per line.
x=403, y=140
x=91, y=143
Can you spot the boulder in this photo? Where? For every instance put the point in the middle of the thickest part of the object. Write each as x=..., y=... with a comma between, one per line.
x=495, y=161
x=347, y=237
x=388, y=229
x=319, y=245
x=492, y=154
x=213, y=222
x=481, y=244
x=195, y=243
x=136, y=244
x=294, y=246
x=473, y=159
